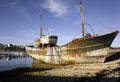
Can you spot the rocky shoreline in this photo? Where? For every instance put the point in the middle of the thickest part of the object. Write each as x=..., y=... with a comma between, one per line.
x=92, y=72
x=83, y=70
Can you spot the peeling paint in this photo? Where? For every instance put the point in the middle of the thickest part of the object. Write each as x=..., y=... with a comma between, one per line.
x=90, y=49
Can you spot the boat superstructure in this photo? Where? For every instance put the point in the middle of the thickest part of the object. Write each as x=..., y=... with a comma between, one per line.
x=88, y=48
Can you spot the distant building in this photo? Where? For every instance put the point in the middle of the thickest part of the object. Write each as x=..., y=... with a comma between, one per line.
x=10, y=45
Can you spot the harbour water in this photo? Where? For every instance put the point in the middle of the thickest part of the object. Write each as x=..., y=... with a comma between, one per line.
x=14, y=60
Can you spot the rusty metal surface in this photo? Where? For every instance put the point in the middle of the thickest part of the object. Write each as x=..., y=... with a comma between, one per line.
x=91, y=49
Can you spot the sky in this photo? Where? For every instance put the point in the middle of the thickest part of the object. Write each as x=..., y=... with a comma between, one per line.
x=20, y=19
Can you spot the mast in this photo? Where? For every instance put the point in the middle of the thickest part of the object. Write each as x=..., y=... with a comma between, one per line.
x=40, y=23
x=82, y=20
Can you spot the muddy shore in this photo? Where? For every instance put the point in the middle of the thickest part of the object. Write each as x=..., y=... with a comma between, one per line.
x=92, y=72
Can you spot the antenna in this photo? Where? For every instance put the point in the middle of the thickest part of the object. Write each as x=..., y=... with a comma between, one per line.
x=91, y=28
x=82, y=19
x=40, y=23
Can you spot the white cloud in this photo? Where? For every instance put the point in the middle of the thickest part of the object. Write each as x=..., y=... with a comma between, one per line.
x=18, y=7
x=6, y=38
x=23, y=11
x=55, y=7
x=15, y=41
x=30, y=32
x=12, y=4
x=63, y=39
x=77, y=7
x=77, y=22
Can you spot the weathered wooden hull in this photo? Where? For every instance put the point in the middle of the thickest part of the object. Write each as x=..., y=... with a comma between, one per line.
x=87, y=49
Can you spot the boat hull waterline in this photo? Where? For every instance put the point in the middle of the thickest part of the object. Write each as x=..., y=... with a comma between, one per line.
x=86, y=49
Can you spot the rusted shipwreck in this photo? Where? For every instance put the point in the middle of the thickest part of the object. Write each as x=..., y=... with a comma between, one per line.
x=88, y=48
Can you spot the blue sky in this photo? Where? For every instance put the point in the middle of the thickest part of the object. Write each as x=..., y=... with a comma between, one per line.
x=20, y=19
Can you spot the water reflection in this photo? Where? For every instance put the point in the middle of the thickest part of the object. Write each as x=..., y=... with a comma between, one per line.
x=14, y=60
x=36, y=63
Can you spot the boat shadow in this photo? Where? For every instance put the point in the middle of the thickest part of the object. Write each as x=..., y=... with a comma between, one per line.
x=23, y=77
x=70, y=79
x=113, y=57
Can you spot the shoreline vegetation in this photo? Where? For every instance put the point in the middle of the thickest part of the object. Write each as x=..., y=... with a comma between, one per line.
x=11, y=47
